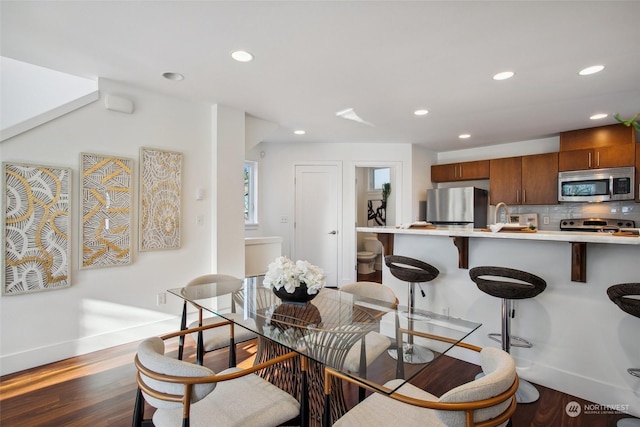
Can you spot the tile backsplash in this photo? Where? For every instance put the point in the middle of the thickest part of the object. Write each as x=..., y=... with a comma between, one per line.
x=616, y=210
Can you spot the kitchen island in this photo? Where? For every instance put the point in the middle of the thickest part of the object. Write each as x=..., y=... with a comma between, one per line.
x=461, y=235
x=582, y=342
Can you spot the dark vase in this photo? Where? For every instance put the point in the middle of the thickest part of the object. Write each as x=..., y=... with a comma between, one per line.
x=298, y=296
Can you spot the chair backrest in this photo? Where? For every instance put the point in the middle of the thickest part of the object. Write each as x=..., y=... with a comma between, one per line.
x=151, y=356
x=372, y=290
x=500, y=372
x=226, y=284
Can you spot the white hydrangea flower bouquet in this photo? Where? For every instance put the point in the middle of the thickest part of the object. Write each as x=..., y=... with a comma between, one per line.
x=285, y=273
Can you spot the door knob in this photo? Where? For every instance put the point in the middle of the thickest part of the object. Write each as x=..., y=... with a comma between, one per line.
x=333, y=232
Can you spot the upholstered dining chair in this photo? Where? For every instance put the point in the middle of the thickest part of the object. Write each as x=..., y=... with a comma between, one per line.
x=361, y=355
x=217, y=338
x=487, y=401
x=185, y=394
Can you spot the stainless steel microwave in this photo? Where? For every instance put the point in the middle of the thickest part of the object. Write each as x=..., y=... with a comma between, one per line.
x=597, y=185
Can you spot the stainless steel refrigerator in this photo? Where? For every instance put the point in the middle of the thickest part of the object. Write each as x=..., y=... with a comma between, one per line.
x=465, y=206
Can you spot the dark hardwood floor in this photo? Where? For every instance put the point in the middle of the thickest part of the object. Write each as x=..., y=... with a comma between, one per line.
x=98, y=389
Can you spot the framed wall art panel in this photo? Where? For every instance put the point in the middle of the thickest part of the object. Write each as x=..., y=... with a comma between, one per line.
x=36, y=226
x=107, y=199
x=160, y=199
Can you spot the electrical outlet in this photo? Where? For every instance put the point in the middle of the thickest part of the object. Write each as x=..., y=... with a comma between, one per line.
x=445, y=311
x=200, y=220
x=545, y=220
x=161, y=298
x=284, y=219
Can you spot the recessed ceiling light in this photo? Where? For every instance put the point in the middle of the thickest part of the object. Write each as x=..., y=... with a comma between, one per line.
x=598, y=116
x=242, y=56
x=591, y=70
x=421, y=112
x=503, y=75
x=299, y=132
x=464, y=136
x=173, y=76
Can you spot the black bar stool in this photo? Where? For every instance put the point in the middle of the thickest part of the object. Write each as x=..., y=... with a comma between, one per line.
x=619, y=294
x=524, y=285
x=412, y=271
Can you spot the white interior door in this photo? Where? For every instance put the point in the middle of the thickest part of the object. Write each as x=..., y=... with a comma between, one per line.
x=317, y=217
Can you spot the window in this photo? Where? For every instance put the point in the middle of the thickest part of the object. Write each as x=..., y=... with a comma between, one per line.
x=379, y=176
x=250, y=193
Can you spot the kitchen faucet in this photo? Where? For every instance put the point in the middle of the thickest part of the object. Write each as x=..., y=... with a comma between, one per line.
x=506, y=212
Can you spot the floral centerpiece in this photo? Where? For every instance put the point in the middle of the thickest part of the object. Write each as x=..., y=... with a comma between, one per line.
x=299, y=281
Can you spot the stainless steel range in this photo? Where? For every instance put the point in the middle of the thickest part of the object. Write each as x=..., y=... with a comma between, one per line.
x=596, y=224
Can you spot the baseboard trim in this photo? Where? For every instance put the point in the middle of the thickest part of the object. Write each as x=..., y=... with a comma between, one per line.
x=31, y=358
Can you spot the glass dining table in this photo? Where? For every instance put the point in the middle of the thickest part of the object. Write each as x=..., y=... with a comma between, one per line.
x=330, y=330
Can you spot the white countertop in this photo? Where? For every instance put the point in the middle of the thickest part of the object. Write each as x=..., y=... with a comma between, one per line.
x=540, y=235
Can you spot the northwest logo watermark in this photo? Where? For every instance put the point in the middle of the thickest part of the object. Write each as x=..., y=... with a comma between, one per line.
x=573, y=409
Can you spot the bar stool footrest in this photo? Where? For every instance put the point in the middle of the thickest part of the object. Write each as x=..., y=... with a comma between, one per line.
x=515, y=341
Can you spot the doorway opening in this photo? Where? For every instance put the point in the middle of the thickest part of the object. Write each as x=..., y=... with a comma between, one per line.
x=376, y=206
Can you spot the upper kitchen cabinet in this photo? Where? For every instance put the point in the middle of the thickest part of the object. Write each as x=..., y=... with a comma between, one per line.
x=600, y=147
x=526, y=180
x=464, y=171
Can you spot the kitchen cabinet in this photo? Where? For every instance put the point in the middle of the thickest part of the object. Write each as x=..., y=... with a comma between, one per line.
x=525, y=180
x=601, y=136
x=463, y=171
x=599, y=147
x=595, y=158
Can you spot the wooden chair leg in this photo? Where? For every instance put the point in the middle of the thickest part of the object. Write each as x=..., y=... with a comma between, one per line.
x=399, y=350
x=183, y=326
x=304, y=394
x=363, y=368
x=138, y=410
x=200, y=349
x=232, y=353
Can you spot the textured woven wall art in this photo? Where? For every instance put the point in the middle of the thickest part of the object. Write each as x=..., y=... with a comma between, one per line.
x=160, y=199
x=107, y=197
x=36, y=224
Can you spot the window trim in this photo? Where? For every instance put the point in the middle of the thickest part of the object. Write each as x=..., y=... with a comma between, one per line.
x=251, y=221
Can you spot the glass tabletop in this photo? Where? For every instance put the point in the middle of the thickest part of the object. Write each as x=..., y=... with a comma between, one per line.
x=335, y=328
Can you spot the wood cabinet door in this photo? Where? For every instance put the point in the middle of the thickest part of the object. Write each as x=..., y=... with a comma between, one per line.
x=460, y=171
x=443, y=173
x=575, y=160
x=601, y=136
x=540, y=179
x=615, y=156
x=505, y=180
x=473, y=170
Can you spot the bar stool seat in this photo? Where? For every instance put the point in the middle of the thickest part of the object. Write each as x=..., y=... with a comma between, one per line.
x=413, y=271
x=518, y=285
x=619, y=294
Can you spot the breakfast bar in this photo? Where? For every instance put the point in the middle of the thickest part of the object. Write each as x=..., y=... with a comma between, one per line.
x=581, y=341
x=461, y=235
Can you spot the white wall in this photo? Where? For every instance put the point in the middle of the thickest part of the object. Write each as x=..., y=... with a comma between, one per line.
x=110, y=306
x=422, y=161
x=276, y=171
x=228, y=128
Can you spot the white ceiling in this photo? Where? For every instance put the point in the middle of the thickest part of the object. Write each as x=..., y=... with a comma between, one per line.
x=384, y=59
